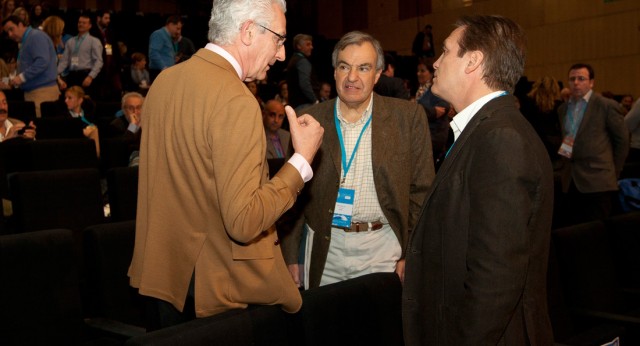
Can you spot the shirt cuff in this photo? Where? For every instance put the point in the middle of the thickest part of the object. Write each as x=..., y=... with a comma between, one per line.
x=133, y=128
x=22, y=77
x=303, y=167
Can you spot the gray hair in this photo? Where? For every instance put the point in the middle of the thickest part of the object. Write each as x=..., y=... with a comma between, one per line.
x=227, y=17
x=299, y=38
x=129, y=95
x=358, y=38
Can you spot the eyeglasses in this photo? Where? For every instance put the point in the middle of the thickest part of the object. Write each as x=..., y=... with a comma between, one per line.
x=579, y=78
x=133, y=108
x=281, y=38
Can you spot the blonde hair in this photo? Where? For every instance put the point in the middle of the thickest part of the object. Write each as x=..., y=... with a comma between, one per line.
x=545, y=92
x=76, y=91
x=54, y=26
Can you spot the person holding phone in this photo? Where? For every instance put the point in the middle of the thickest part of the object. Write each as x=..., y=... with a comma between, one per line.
x=13, y=128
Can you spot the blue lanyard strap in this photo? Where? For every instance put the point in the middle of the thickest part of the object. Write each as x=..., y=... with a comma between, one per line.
x=78, y=43
x=24, y=38
x=346, y=166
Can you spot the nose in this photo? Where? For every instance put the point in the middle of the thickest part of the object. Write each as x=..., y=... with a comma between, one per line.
x=280, y=54
x=353, y=74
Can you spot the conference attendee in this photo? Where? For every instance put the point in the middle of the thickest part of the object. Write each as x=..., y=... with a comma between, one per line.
x=372, y=173
x=594, y=147
x=109, y=84
x=13, y=128
x=36, y=74
x=76, y=99
x=206, y=206
x=277, y=138
x=81, y=61
x=162, y=48
x=388, y=84
x=128, y=125
x=476, y=263
x=301, y=79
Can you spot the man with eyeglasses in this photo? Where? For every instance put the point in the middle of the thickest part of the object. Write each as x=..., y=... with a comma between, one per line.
x=374, y=168
x=594, y=147
x=205, y=240
x=128, y=125
x=302, y=82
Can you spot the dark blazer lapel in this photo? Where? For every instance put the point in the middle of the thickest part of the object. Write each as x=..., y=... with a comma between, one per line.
x=592, y=107
x=379, y=133
x=331, y=138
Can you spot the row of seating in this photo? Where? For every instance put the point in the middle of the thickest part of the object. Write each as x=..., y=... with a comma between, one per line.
x=57, y=299
x=53, y=295
x=70, y=297
x=70, y=199
x=594, y=281
x=26, y=110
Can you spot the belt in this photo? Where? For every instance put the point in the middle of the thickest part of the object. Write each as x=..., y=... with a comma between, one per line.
x=364, y=226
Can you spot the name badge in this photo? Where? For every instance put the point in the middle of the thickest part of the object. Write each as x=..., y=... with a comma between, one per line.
x=108, y=49
x=566, y=149
x=75, y=61
x=343, y=210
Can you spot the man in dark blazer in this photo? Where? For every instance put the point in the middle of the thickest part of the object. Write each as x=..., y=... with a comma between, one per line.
x=278, y=140
x=390, y=172
x=388, y=84
x=595, y=146
x=477, y=259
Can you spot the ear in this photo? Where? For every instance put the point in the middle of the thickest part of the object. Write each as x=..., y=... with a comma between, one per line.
x=378, y=73
x=247, y=33
x=474, y=61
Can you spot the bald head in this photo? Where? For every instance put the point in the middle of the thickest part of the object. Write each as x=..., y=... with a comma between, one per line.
x=272, y=116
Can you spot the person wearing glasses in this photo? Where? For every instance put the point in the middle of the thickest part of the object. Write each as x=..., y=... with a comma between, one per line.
x=128, y=125
x=205, y=240
x=374, y=168
x=594, y=147
x=301, y=80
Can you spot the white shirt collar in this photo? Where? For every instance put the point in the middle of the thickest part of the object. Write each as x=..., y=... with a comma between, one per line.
x=7, y=125
x=460, y=121
x=228, y=57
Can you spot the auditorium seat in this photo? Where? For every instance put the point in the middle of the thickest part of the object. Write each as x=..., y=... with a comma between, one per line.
x=122, y=183
x=69, y=199
x=109, y=300
x=40, y=289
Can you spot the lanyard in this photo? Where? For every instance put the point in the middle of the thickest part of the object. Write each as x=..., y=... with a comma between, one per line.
x=574, y=120
x=78, y=43
x=84, y=120
x=346, y=166
x=24, y=38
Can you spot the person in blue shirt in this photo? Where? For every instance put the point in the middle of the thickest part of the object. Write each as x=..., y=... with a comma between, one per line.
x=162, y=48
x=37, y=60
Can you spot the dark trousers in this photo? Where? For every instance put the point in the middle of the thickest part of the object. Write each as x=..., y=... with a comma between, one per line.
x=585, y=207
x=161, y=314
x=77, y=77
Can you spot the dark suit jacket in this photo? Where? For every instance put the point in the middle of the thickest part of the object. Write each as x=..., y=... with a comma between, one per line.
x=600, y=148
x=392, y=87
x=285, y=140
x=477, y=259
x=402, y=172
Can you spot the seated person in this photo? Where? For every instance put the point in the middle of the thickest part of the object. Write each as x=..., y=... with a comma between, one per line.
x=13, y=128
x=278, y=140
x=139, y=74
x=73, y=98
x=129, y=124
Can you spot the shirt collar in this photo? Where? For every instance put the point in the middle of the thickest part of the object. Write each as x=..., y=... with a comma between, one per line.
x=586, y=97
x=365, y=115
x=224, y=54
x=7, y=126
x=460, y=121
